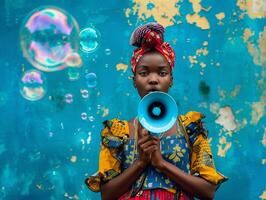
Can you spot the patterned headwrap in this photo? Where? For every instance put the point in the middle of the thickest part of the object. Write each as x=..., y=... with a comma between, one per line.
x=150, y=37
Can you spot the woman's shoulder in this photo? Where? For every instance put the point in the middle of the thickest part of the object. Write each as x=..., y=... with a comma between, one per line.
x=192, y=121
x=191, y=116
x=116, y=127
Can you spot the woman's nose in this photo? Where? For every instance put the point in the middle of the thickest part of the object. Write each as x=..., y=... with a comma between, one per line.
x=153, y=78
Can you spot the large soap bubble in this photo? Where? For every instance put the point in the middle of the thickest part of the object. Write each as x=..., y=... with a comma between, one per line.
x=33, y=85
x=89, y=40
x=47, y=37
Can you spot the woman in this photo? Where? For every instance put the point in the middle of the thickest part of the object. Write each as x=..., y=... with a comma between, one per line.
x=135, y=165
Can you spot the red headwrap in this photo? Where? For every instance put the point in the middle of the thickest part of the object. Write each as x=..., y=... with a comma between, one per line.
x=150, y=37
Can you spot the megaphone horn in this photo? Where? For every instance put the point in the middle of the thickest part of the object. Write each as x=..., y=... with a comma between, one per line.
x=157, y=112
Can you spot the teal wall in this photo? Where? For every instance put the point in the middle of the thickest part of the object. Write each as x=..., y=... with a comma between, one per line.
x=48, y=147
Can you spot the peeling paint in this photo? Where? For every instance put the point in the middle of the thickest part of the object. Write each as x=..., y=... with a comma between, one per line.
x=121, y=66
x=164, y=12
x=226, y=119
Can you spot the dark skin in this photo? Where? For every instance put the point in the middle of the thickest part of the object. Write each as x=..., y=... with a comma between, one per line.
x=152, y=73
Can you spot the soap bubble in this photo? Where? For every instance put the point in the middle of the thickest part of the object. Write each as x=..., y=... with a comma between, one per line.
x=108, y=52
x=73, y=60
x=89, y=39
x=69, y=98
x=73, y=74
x=91, y=80
x=91, y=118
x=84, y=93
x=83, y=116
x=33, y=85
x=47, y=36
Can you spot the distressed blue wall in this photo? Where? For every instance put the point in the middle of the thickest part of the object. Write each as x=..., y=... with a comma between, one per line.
x=47, y=149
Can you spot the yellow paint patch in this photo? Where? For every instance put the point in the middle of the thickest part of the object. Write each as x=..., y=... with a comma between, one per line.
x=256, y=50
x=199, y=52
x=257, y=111
x=73, y=159
x=163, y=12
x=264, y=138
x=214, y=108
x=263, y=196
x=202, y=64
x=200, y=22
x=254, y=8
x=195, y=18
x=236, y=90
x=223, y=146
x=121, y=66
x=220, y=15
x=105, y=112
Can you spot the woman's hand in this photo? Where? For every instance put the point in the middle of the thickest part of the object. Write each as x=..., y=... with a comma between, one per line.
x=157, y=160
x=146, y=145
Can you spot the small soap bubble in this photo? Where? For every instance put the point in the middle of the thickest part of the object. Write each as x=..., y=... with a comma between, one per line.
x=48, y=36
x=89, y=39
x=69, y=98
x=83, y=116
x=108, y=52
x=91, y=118
x=84, y=93
x=91, y=80
x=33, y=85
x=73, y=74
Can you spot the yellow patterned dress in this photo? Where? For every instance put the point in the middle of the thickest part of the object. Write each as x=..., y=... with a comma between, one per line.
x=188, y=149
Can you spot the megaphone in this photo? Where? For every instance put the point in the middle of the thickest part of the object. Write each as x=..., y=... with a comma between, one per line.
x=157, y=112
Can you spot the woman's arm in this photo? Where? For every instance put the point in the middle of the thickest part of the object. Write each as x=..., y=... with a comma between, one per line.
x=121, y=184
x=194, y=185
x=191, y=184
x=118, y=186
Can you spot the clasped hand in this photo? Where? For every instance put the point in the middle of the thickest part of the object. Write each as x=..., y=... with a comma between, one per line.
x=149, y=149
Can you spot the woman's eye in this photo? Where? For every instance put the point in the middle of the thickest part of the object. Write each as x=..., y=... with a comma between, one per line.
x=144, y=73
x=163, y=73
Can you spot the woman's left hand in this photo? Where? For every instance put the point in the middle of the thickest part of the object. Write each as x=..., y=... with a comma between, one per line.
x=156, y=157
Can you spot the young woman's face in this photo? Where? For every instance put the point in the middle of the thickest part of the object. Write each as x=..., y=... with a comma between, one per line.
x=153, y=73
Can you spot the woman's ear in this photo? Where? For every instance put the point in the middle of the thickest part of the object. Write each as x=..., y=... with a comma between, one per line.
x=172, y=79
x=134, y=81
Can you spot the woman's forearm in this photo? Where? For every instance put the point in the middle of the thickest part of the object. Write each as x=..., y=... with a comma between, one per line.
x=191, y=184
x=118, y=186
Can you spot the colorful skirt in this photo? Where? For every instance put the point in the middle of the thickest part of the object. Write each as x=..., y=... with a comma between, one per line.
x=155, y=194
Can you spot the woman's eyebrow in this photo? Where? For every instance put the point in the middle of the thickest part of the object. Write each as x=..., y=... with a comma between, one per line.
x=142, y=67
x=163, y=67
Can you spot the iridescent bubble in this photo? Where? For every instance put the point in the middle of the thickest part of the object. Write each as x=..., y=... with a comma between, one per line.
x=47, y=36
x=89, y=39
x=108, y=52
x=33, y=85
x=73, y=74
x=83, y=116
x=91, y=80
x=84, y=93
x=69, y=98
x=73, y=60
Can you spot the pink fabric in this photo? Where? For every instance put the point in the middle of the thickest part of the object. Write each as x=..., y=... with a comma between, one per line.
x=159, y=194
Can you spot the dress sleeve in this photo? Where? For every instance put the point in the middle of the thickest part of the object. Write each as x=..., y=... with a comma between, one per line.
x=114, y=134
x=202, y=163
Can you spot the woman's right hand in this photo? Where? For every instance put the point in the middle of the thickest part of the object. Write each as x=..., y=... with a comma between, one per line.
x=146, y=146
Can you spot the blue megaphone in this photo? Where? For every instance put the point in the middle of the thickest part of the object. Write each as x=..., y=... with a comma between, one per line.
x=157, y=112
